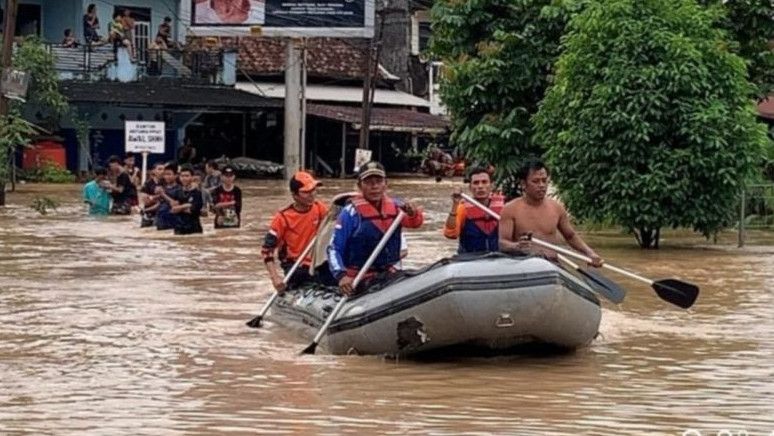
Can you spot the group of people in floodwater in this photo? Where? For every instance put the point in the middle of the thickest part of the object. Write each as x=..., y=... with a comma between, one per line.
x=176, y=197
x=173, y=196
x=363, y=221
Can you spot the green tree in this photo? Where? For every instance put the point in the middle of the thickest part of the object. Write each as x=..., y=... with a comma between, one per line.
x=31, y=56
x=751, y=24
x=650, y=121
x=497, y=56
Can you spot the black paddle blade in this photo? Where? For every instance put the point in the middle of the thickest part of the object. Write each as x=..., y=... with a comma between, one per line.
x=604, y=286
x=255, y=322
x=310, y=349
x=677, y=292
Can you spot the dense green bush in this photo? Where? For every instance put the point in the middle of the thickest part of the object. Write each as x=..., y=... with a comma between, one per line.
x=650, y=122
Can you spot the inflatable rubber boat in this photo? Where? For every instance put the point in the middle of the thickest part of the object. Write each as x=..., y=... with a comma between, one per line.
x=491, y=302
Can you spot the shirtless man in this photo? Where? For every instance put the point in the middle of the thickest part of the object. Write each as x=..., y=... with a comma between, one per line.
x=536, y=214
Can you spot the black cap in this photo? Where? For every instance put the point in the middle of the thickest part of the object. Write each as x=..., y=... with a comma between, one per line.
x=228, y=169
x=372, y=168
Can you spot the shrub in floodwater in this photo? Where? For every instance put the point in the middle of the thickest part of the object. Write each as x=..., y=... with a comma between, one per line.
x=48, y=172
x=43, y=204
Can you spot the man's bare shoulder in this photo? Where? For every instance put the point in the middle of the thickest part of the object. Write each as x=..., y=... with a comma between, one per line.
x=512, y=206
x=555, y=204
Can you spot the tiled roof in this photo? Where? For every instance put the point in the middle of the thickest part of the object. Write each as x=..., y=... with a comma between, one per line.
x=383, y=118
x=327, y=57
x=162, y=92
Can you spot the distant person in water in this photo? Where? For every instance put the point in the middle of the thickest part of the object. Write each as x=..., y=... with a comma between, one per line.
x=189, y=204
x=96, y=193
x=227, y=199
x=167, y=196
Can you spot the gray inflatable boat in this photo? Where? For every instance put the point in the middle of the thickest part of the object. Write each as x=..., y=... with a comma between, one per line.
x=492, y=303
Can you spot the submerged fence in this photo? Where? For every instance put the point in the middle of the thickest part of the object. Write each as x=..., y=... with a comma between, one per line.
x=756, y=209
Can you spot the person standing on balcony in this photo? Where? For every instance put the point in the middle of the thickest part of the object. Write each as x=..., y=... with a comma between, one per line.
x=128, y=22
x=162, y=35
x=117, y=35
x=90, y=25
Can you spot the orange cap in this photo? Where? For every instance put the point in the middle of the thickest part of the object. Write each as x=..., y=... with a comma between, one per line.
x=303, y=181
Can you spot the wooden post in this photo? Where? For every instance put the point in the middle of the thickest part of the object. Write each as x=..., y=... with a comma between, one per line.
x=292, y=135
x=9, y=29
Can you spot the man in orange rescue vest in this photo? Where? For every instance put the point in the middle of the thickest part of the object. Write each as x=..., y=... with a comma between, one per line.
x=476, y=230
x=361, y=225
x=292, y=229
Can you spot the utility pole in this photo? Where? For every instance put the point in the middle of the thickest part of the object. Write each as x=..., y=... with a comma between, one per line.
x=363, y=142
x=9, y=29
x=292, y=135
x=369, y=84
x=302, y=133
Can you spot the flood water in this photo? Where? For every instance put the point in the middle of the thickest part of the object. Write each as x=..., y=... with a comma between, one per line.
x=106, y=328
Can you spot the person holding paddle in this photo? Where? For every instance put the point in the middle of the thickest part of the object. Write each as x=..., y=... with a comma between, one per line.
x=535, y=214
x=361, y=225
x=291, y=230
x=476, y=229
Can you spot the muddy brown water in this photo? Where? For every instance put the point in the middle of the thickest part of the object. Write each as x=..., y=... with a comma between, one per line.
x=106, y=328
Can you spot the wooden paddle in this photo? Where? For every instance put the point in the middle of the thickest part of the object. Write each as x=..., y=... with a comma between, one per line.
x=339, y=201
x=360, y=274
x=604, y=286
x=256, y=322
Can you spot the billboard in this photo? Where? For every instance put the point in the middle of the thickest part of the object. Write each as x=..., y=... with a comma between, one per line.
x=284, y=18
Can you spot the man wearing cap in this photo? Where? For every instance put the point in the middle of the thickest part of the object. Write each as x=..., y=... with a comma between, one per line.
x=227, y=201
x=361, y=225
x=292, y=229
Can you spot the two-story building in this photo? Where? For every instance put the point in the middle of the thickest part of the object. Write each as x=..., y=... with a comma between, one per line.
x=227, y=94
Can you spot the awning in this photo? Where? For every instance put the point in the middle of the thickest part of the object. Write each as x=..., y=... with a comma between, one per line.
x=344, y=94
x=383, y=119
x=163, y=93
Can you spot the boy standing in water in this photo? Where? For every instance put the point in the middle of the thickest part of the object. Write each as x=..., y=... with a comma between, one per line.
x=95, y=193
x=168, y=195
x=227, y=199
x=189, y=205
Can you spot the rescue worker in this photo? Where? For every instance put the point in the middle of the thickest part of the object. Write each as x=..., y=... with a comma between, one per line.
x=290, y=232
x=361, y=225
x=476, y=230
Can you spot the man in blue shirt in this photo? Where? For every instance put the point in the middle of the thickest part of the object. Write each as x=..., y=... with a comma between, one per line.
x=361, y=225
x=95, y=193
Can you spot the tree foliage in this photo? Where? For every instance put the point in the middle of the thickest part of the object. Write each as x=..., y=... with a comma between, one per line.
x=751, y=25
x=31, y=56
x=650, y=122
x=497, y=56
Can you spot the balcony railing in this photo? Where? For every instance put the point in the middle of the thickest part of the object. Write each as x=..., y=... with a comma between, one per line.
x=91, y=63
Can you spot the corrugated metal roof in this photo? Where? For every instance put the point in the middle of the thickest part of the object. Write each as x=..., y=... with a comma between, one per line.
x=348, y=94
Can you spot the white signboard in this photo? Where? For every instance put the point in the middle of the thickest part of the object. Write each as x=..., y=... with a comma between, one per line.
x=279, y=18
x=144, y=136
x=14, y=84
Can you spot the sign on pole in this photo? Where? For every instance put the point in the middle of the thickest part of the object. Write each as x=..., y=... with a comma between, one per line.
x=144, y=136
x=283, y=18
x=14, y=84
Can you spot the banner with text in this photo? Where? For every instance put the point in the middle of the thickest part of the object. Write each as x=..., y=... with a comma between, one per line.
x=144, y=136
